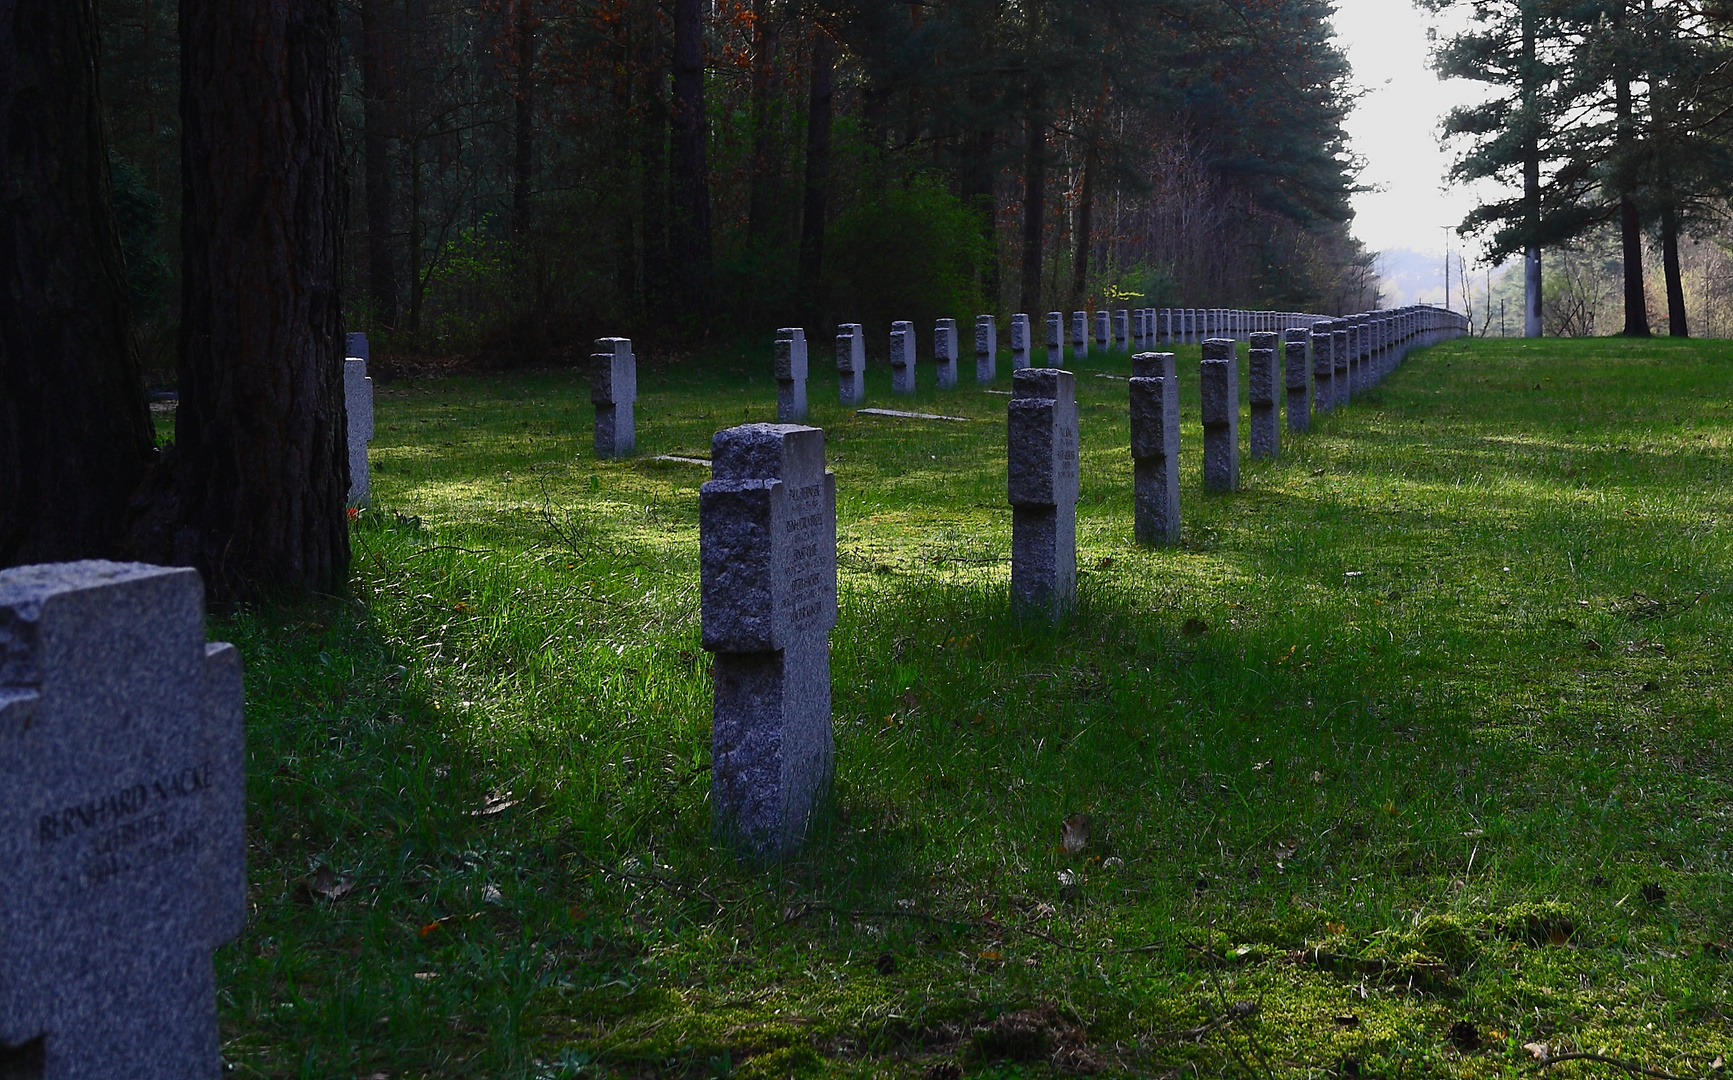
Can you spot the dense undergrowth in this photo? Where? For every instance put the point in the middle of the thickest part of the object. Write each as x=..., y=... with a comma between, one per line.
x=1415, y=753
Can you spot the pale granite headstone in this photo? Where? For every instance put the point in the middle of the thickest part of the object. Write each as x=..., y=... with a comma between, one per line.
x=986, y=349
x=1020, y=344
x=945, y=352
x=1042, y=482
x=1122, y=329
x=1137, y=343
x=613, y=390
x=1299, y=408
x=1219, y=379
x=123, y=852
x=1055, y=339
x=1079, y=336
x=1263, y=395
x=851, y=363
x=1339, y=384
x=358, y=401
x=767, y=558
x=1103, y=329
x=1323, y=365
x=790, y=374
x=1155, y=448
x=903, y=356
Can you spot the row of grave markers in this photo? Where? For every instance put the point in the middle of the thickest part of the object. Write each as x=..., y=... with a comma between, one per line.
x=767, y=528
x=122, y=837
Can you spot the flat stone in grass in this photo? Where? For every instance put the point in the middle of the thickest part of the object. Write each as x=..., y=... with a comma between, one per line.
x=1219, y=377
x=1262, y=394
x=613, y=390
x=1155, y=447
x=851, y=362
x=1042, y=480
x=1079, y=336
x=1055, y=339
x=897, y=414
x=358, y=402
x=986, y=349
x=767, y=558
x=790, y=374
x=1324, y=364
x=355, y=345
x=903, y=356
x=123, y=854
x=945, y=352
x=1299, y=409
x=1020, y=344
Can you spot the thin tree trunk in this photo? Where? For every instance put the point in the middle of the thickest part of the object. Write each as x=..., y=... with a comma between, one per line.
x=75, y=435
x=626, y=263
x=817, y=200
x=1630, y=221
x=1531, y=278
x=1034, y=197
x=412, y=127
x=655, y=204
x=1085, y=227
x=692, y=176
x=1677, y=324
x=761, y=201
x=977, y=190
x=523, y=130
x=376, y=94
x=263, y=469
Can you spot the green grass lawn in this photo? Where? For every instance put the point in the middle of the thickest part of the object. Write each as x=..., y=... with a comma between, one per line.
x=1414, y=753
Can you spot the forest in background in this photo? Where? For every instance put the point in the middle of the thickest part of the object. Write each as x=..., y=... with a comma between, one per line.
x=525, y=175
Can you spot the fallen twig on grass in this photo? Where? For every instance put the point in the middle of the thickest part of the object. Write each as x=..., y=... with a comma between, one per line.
x=1629, y=1066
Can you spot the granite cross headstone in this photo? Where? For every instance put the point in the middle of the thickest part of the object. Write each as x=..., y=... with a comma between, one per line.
x=790, y=374
x=1299, y=409
x=1263, y=394
x=1079, y=336
x=358, y=401
x=1103, y=329
x=851, y=363
x=123, y=851
x=1020, y=344
x=1323, y=365
x=945, y=352
x=1339, y=383
x=767, y=558
x=1055, y=339
x=986, y=349
x=1042, y=481
x=1155, y=448
x=613, y=390
x=1218, y=375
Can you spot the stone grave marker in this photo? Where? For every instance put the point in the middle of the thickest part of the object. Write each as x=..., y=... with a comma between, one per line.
x=790, y=374
x=1122, y=329
x=1020, y=344
x=1103, y=329
x=851, y=362
x=613, y=390
x=945, y=352
x=1079, y=336
x=1219, y=377
x=1323, y=365
x=767, y=557
x=358, y=402
x=1137, y=344
x=123, y=851
x=903, y=357
x=1042, y=481
x=1263, y=394
x=1339, y=383
x=986, y=349
x=1155, y=448
x=1055, y=339
x=1299, y=409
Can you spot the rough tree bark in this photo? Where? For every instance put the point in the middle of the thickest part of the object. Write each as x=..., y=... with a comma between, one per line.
x=652, y=107
x=691, y=172
x=75, y=435
x=812, y=221
x=523, y=130
x=376, y=101
x=1531, y=279
x=976, y=185
x=262, y=472
x=1630, y=222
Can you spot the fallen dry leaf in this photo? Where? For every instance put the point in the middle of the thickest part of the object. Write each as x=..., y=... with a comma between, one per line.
x=1538, y=1049
x=1074, y=833
x=326, y=885
x=498, y=802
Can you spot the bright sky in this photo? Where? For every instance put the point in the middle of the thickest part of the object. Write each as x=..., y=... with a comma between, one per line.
x=1395, y=128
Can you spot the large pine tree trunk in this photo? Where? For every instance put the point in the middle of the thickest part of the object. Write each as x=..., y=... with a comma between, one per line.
x=812, y=221
x=691, y=172
x=263, y=470
x=376, y=101
x=1677, y=324
x=75, y=436
x=976, y=184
